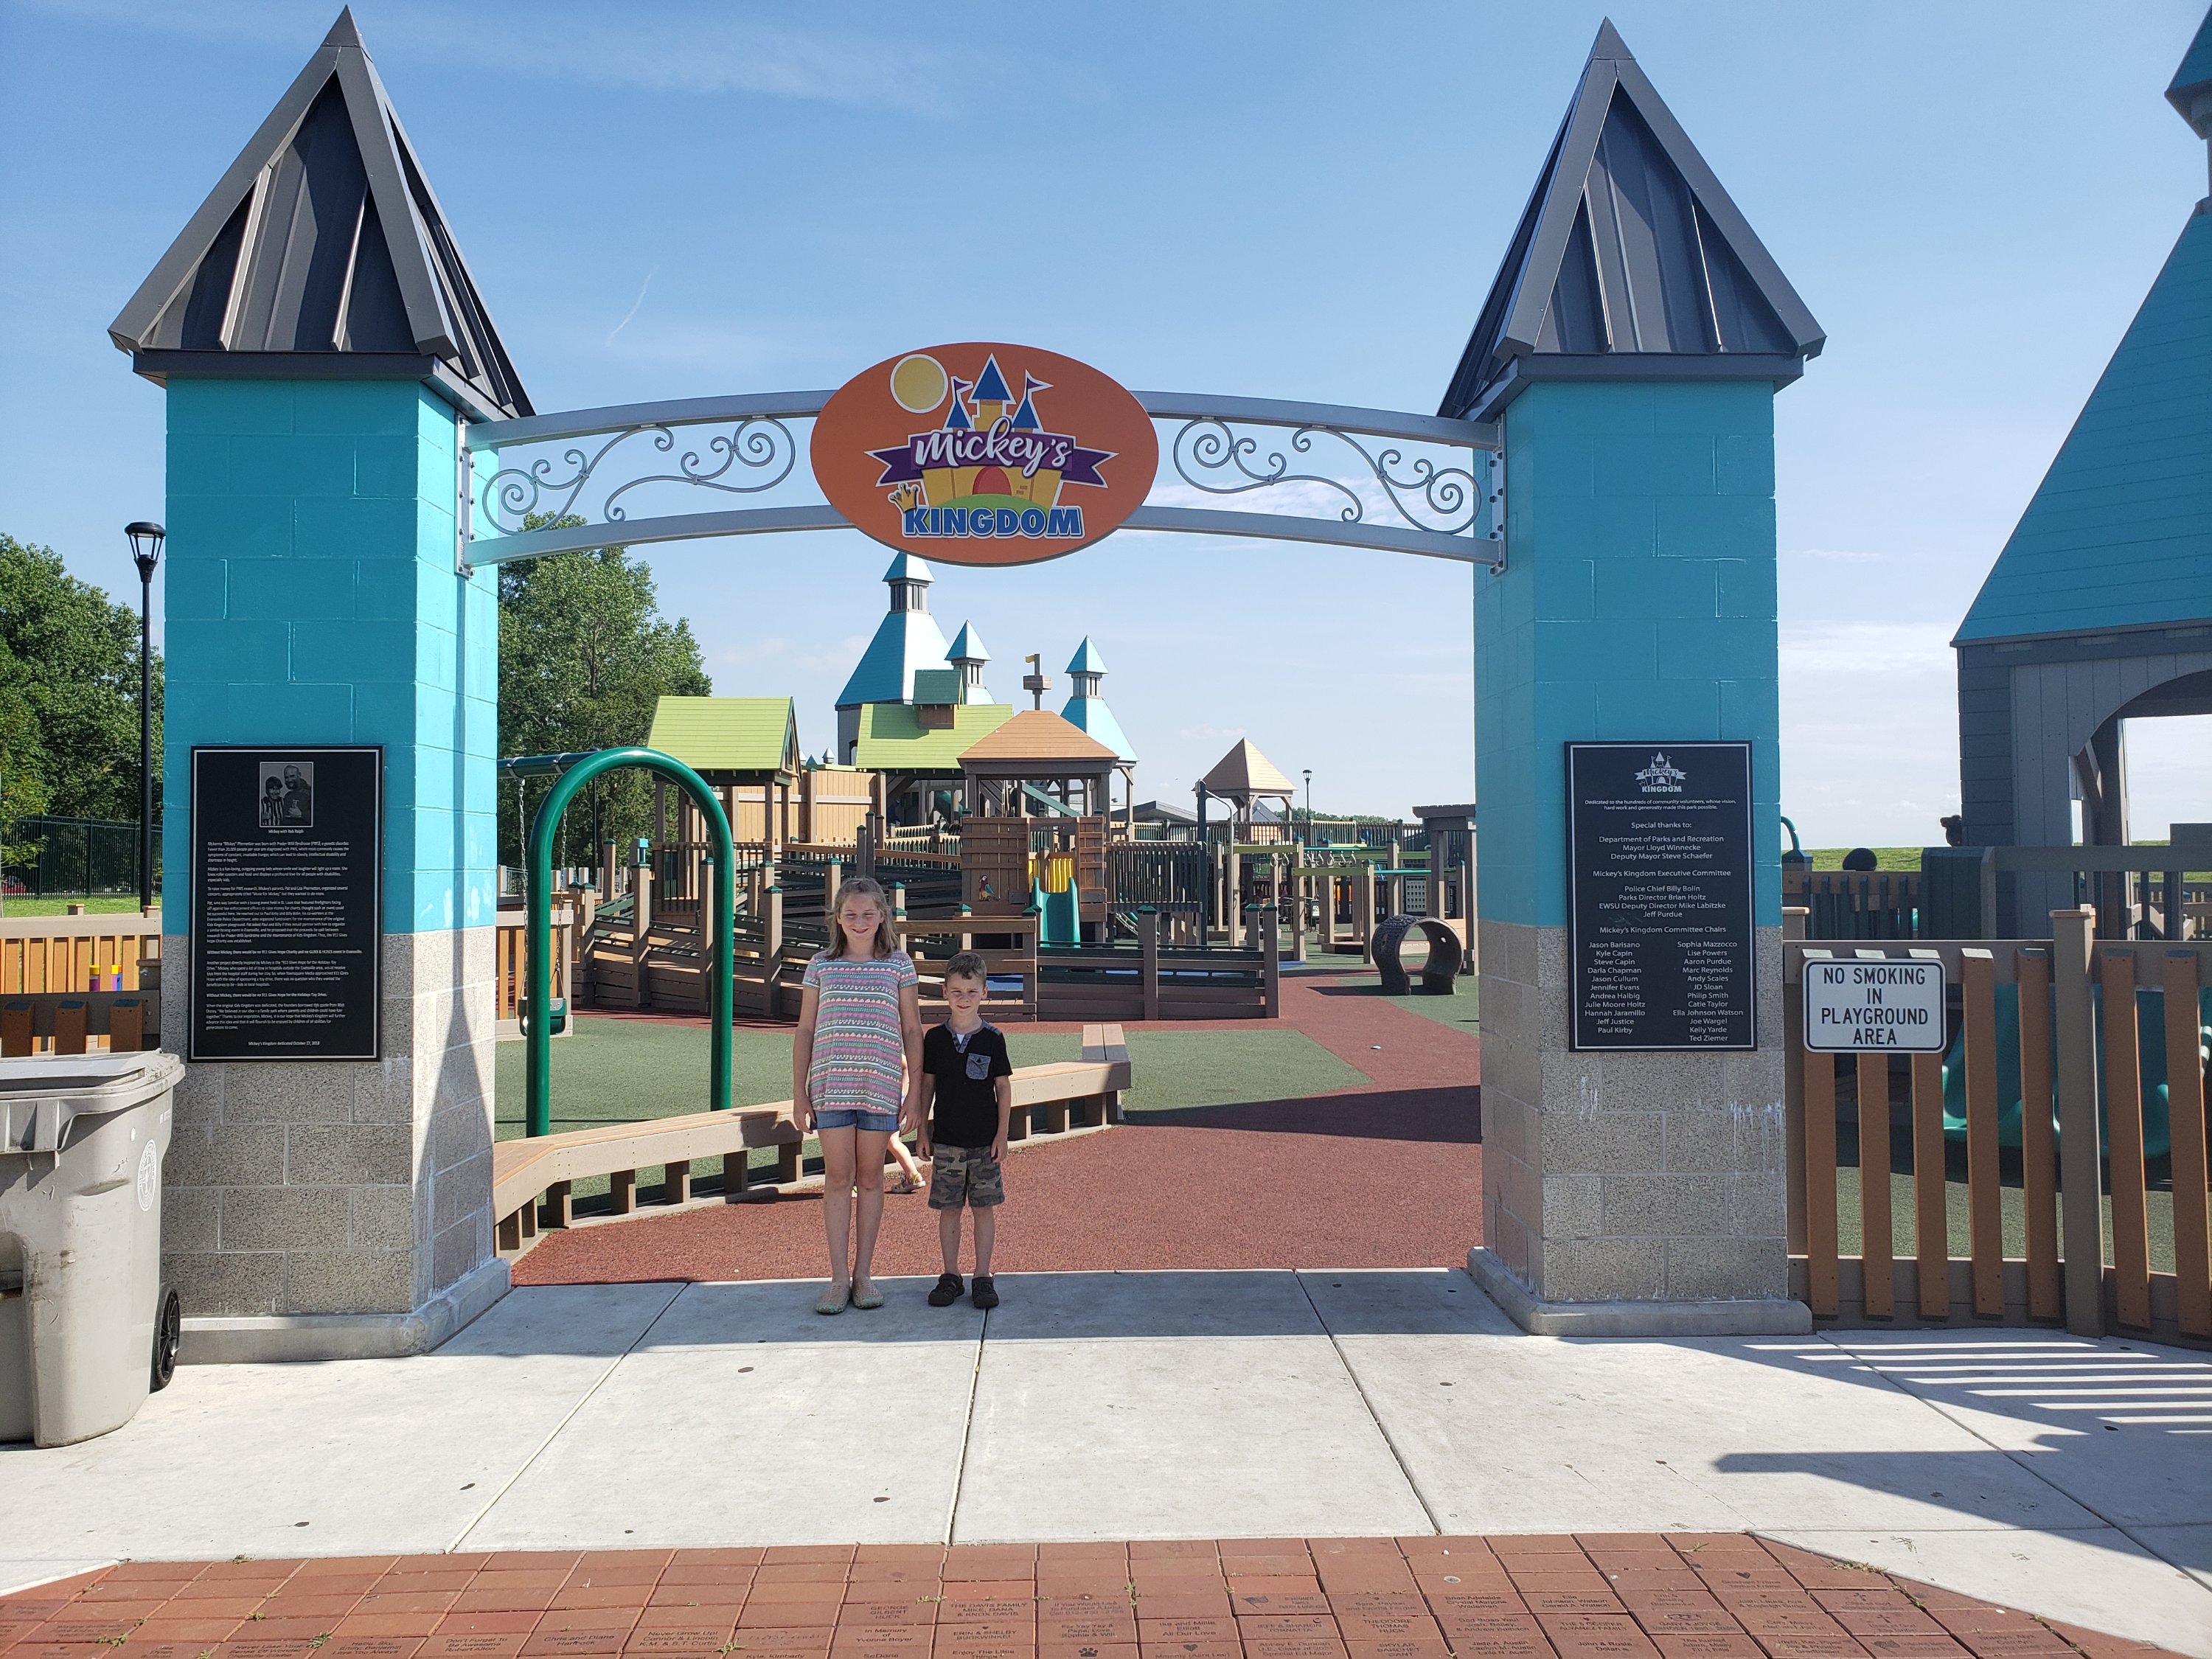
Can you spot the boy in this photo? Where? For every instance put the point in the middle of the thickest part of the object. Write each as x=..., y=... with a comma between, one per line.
x=966, y=1097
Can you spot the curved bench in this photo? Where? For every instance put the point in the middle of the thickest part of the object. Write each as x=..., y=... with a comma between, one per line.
x=1049, y=1099
x=1441, y=973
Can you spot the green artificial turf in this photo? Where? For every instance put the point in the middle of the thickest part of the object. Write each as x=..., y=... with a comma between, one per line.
x=619, y=1071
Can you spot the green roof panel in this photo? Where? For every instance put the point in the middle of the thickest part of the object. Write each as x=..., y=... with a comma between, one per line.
x=727, y=734
x=892, y=738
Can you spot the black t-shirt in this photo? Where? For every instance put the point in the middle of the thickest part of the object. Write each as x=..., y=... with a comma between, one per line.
x=966, y=1113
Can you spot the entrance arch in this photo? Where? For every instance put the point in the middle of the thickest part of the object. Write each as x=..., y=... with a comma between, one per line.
x=350, y=454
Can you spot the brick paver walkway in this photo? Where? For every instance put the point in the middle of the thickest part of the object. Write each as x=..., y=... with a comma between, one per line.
x=1640, y=1595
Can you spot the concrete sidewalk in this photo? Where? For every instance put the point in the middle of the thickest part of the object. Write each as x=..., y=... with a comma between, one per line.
x=2070, y=1478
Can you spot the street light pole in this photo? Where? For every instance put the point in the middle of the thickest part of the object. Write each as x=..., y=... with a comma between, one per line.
x=1307, y=839
x=146, y=553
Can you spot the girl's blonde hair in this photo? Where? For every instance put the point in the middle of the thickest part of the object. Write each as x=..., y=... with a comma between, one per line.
x=886, y=939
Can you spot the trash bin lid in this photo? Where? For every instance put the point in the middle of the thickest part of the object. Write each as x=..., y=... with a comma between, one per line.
x=41, y=1095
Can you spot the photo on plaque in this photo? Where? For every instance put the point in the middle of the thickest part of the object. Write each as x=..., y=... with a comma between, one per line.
x=288, y=794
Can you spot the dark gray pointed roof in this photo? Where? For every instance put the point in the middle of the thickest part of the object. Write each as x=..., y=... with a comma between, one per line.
x=325, y=238
x=1630, y=261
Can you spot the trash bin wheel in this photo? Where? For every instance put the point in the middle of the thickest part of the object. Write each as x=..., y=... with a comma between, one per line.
x=169, y=1331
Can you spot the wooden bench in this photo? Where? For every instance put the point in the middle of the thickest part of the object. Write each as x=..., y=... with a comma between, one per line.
x=531, y=1179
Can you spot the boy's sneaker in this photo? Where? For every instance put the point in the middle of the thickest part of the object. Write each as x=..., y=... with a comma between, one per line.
x=948, y=1290
x=987, y=1294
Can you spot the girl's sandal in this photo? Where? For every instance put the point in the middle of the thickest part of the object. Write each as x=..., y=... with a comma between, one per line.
x=869, y=1299
x=904, y=1187
x=833, y=1300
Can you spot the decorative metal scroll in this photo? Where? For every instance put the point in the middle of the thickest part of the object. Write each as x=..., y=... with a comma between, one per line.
x=1310, y=472
x=1214, y=456
x=754, y=455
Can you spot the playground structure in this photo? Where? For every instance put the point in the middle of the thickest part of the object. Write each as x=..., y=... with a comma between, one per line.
x=1017, y=850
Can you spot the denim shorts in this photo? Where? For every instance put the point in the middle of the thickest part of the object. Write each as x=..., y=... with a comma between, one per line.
x=853, y=1117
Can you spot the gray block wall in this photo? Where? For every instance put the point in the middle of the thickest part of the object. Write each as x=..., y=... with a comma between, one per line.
x=339, y=1187
x=1627, y=1176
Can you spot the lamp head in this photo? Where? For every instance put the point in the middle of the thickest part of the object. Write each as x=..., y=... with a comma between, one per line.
x=145, y=547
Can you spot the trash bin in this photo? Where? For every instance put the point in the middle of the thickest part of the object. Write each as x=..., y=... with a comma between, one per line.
x=87, y=1327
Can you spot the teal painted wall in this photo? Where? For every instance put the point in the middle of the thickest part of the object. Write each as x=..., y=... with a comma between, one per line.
x=311, y=599
x=2120, y=533
x=1637, y=602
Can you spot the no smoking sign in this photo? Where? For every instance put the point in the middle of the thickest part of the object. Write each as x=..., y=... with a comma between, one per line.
x=1891, y=1006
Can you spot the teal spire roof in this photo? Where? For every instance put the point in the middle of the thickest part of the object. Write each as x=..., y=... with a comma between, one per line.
x=1086, y=660
x=1091, y=716
x=2190, y=92
x=2119, y=533
x=967, y=646
x=905, y=641
x=907, y=569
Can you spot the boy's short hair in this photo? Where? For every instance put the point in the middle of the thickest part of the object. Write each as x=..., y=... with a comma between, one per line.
x=967, y=965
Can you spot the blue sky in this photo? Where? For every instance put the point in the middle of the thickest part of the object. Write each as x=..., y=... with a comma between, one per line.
x=1293, y=201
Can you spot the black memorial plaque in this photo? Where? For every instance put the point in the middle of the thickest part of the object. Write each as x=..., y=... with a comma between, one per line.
x=288, y=903
x=1659, y=895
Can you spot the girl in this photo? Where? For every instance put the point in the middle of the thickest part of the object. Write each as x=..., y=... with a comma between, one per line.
x=853, y=1066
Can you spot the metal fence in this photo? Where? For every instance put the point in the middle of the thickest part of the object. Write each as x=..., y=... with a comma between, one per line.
x=53, y=857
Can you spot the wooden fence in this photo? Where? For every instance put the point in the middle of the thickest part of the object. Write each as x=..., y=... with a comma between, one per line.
x=1869, y=905
x=2028, y=1019
x=72, y=985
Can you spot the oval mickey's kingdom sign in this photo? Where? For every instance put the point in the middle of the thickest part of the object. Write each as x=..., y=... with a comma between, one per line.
x=984, y=453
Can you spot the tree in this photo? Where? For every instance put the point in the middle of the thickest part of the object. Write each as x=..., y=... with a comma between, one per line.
x=68, y=694
x=584, y=657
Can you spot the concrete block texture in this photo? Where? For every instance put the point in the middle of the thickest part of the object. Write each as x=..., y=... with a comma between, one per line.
x=351, y=1187
x=1618, y=1176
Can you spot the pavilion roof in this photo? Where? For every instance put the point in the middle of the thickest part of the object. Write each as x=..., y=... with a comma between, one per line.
x=1244, y=772
x=755, y=735
x=1038, y=734
x=892, y=738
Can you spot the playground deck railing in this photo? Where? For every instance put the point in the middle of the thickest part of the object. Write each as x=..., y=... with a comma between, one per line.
x=2049, y=1039
x=70, y=985
x=1154, y=980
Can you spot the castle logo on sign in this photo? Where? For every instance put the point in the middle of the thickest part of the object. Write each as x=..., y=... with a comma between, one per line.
x=991, y=476
x=1661, y=777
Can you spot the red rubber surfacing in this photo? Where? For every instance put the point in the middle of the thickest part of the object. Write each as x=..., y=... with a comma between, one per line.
x=1389, y=1175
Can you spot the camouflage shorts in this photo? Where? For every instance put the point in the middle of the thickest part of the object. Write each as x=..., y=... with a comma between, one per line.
x=965, y=1175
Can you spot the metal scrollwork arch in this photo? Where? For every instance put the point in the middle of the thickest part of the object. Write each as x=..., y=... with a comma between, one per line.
x=1446, y=499
x=762, y=445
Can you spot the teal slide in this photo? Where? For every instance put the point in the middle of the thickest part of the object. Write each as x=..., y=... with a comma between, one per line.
x=2150, y=1051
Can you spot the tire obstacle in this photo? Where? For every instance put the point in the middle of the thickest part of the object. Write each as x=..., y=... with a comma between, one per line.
x=1441, y=973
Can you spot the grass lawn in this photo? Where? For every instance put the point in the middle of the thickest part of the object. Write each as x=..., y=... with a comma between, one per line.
x=100, y=904
x=1885, y=858
x=1905, y=1231
x=620, y=1071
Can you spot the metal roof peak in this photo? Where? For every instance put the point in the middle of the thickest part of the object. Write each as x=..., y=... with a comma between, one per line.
x=323, y=238
x=1630, y=261
x=2190, y=90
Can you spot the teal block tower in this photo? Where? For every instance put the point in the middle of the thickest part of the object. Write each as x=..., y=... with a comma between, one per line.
x=1631, y=348
x=324, y=351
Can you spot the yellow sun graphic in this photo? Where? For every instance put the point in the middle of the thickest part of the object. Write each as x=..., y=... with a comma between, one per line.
x=918, y=383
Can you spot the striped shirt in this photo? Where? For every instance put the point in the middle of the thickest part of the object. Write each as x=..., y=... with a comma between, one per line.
x=859, y=1053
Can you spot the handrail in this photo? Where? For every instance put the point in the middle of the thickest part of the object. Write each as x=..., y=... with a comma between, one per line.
x=538, y=1034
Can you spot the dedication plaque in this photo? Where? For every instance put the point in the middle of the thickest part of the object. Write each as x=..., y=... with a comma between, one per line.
x=288, y=903
x=1659, y=895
